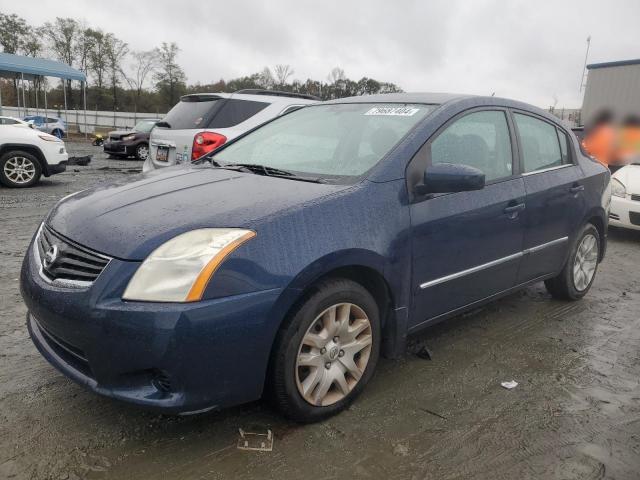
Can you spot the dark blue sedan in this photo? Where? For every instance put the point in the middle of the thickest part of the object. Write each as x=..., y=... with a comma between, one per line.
x=291, y=258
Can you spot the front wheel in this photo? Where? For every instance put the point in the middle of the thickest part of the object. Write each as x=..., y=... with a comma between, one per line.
x=142, y=151
x=19, y=169
x=576, y=278
x=327, y=351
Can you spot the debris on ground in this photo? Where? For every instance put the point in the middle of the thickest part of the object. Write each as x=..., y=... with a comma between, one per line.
x=82, y=161
x=424, y=353
x=509, y=385
x=260, y=442
x=433, y=413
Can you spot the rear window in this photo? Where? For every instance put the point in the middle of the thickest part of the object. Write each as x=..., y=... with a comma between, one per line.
x=233, y=112
x=191, y=112
x=211, y=112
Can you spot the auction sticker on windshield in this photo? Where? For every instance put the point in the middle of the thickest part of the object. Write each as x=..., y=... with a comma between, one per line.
x=393, y=111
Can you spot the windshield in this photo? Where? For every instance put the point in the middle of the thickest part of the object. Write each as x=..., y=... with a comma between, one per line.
x=340, y=140
x=144, y=126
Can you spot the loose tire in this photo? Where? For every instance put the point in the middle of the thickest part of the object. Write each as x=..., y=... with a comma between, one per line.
x=142, y=151
x=577, y=276
x=19, y=169
x=326, y=352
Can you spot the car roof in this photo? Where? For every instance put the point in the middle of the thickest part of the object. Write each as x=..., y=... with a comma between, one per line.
x=280, y=99
x=432, y=98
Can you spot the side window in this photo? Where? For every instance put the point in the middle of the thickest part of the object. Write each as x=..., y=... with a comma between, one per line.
x=564, y=147
x=479, y=139
x=234, y=112
x=540, y=145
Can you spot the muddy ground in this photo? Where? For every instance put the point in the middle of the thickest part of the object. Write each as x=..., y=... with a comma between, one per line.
x=574, y=415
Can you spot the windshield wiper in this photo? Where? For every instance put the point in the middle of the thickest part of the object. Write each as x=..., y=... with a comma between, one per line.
x=272, y=172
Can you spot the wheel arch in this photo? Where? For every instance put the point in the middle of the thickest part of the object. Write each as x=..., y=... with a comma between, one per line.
x=598, y=219
x=362, y=266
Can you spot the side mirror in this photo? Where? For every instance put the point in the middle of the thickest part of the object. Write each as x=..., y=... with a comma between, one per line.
x=451, y=178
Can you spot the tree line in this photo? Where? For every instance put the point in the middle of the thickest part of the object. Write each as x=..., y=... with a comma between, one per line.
x=123, y=79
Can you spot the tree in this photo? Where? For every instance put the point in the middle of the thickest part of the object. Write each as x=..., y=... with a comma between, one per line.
x=145, y=63
x=97, y=62
x=84, y=44
x=115, y=52
x=282, y=74
x=13, y=32
x=61, y=34
x=170, y=78
x=265, y=78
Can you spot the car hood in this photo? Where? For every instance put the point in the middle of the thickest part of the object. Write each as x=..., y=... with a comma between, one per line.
x=128, y=219
x=630, y=178
x=121, y=133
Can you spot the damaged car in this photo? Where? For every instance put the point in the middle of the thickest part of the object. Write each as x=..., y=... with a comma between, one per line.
x=287, y=261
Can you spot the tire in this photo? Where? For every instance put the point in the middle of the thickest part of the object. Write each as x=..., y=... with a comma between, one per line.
x=576, y=278
x=142, y=151
x=58, y=133
x=19, y=169
x=328, y=358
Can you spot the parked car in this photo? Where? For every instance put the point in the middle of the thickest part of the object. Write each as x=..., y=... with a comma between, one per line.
x=202, y=122
x=131, y=143
x=27, y=154
x=290, y=258
x=54, y=126
x=16, y=122
x=625, y=199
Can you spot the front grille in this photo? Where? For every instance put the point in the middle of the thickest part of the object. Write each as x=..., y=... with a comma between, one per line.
x=635, y=197
x=615, y=216
x=64, y=260
x=634, y=217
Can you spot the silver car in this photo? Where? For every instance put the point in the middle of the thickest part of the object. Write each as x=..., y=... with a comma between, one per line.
x=53, y=125
x=202, y=122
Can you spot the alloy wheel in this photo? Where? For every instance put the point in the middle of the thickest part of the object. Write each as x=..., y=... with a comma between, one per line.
x=333, y=354
x=585, y=263
x=19, y=170
x=142, y=152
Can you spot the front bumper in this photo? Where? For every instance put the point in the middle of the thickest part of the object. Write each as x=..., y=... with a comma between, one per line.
x=58, y=168
x=625, y=213
x=119, y=148
x=177, y=358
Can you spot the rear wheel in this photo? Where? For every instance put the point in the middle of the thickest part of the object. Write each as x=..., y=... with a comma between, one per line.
x=58, y=133
x=577, y=276
x=327, y=352
x=19, y=169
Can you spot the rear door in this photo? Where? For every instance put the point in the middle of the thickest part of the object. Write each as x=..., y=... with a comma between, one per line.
x=555, y=199
x=467, y=246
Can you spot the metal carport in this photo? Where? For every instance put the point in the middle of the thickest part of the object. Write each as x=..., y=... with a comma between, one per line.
x=30, y=68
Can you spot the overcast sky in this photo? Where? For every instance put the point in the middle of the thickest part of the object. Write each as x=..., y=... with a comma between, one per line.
x=523, y=49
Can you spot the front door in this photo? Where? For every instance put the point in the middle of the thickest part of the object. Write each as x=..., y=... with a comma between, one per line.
x=467, y=246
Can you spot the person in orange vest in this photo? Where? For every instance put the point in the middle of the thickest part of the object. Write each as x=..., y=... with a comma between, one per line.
x=628, y=150
x=600, y=139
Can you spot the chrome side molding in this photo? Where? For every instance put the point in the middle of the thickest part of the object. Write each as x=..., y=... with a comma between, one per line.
x=493, y=263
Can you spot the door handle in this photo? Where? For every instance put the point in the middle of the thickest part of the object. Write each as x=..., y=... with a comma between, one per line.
x=576, y=189
x=511, y=209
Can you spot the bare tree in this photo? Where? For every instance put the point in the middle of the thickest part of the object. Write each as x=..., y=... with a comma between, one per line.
x=145, y=63
x=97, y=62
x=13, y=31
x=83, y=45
x=265, y=78
x=282, y=73
x=335, y=75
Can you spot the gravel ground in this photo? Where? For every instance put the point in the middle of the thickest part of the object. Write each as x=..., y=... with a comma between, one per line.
x=574, y=415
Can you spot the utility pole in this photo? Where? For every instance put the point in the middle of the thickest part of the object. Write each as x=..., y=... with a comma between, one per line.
x=584, y=69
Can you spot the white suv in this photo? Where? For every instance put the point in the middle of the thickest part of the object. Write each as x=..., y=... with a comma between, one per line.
x=27, y=154
x=201, y=122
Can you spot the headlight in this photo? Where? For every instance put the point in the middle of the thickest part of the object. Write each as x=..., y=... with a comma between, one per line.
x=126, y=138
x=180, y=269
x=617, y=188
x=49, y=138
